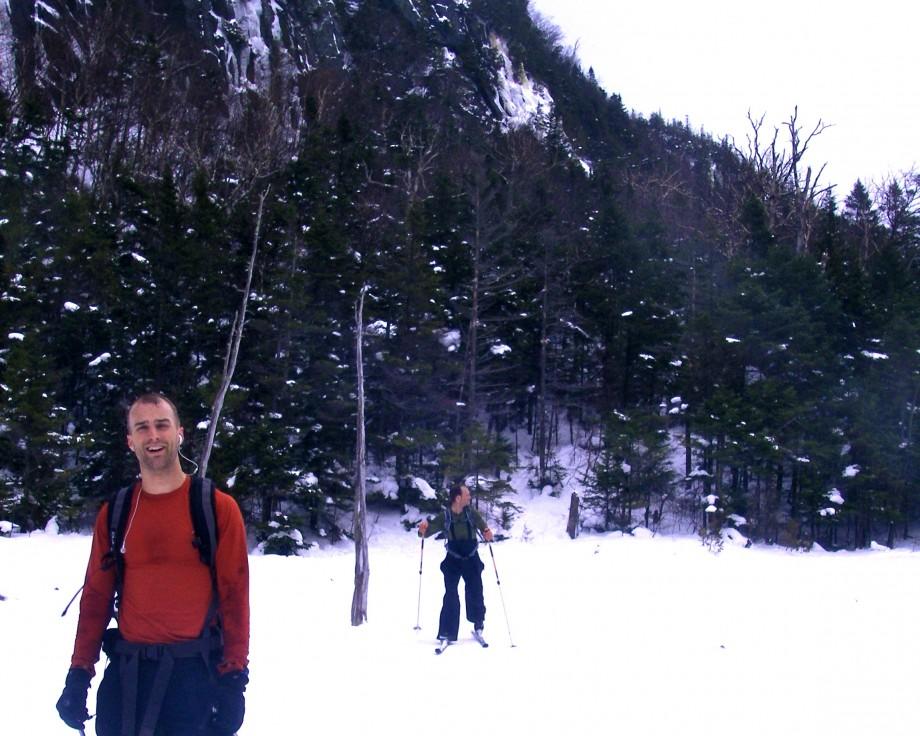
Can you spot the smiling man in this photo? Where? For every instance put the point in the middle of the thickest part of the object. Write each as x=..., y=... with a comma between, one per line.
x=178, y=658
x=154, y=436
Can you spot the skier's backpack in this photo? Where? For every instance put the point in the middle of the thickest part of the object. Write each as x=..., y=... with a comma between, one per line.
x=460, y=548
x=204, y=523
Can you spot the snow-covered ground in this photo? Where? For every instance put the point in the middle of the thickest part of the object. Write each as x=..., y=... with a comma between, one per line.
x=612, y=634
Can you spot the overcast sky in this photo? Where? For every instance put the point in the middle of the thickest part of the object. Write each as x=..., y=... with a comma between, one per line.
x=853, y=65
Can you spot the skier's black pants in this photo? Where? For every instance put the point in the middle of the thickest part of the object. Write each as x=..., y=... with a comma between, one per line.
x=470, y=569
x=186, y=706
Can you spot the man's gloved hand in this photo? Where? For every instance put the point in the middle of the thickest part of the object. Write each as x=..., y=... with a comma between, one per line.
x=72, y=704
x=229, y=702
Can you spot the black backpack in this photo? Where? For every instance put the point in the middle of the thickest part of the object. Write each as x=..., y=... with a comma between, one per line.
x=460, y=548
x=204, y=522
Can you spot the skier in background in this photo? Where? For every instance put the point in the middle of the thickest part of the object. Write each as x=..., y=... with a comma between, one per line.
x=460, y=523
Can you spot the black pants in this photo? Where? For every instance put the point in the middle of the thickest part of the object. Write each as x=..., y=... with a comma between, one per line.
x=470, y=569
x=186, y=706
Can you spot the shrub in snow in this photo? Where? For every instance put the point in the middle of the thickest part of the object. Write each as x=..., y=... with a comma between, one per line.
x=713, y=540
x=554, y=476
x=408, y=490
x=631, y=471
x=424, y=488
x=386, y=490
x=736, y=537
x=280, y=536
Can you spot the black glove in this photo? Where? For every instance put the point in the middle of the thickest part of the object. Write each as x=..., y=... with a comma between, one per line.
x=72, y=703
x=229, y=702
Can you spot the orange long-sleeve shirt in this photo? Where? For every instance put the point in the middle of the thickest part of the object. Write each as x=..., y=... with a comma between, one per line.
x=167, y=589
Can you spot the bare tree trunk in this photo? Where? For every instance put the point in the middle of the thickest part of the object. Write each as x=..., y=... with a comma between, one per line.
x=779, y=177
x=362, y=569
x=473, y=341
x=541, y=428
x=806, y=191
x=233, y=347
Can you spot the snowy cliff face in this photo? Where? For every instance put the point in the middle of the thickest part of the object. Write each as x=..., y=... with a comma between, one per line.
x=262, y=45
x=253, y=40
x=7, y=64
x=521, y=100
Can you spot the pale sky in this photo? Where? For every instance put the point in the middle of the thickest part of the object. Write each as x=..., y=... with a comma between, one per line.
x=855, y=66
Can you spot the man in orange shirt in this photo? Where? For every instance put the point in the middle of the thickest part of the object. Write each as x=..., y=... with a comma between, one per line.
x=170, y=671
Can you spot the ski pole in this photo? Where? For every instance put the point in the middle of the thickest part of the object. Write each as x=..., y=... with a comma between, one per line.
x=500, y=594
x=67, y=607
x=418, y=612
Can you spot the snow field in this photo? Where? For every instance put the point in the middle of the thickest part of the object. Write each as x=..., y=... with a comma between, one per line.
x=613, y=634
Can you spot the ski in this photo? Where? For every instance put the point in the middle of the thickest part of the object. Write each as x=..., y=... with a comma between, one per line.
x=444, y=643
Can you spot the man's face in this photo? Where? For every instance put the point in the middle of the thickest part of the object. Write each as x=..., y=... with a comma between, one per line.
x=464, y=498
x=153, y=435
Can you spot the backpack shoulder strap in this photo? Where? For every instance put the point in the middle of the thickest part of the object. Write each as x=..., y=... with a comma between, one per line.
x=119, y=509
x=204, y=519
x=448, y=523
x=471, y=523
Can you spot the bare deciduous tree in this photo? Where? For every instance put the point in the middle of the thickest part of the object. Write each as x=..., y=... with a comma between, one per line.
x=233, y=345
x=362, y=569
x=807, y=191
x=789, y=188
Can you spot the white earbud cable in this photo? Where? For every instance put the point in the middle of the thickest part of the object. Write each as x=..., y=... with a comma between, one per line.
x=131, y=520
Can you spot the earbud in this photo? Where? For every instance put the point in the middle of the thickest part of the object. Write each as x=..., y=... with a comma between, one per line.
x=181, y=438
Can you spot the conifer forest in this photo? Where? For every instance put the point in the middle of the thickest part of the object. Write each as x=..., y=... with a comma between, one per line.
x=724, y=336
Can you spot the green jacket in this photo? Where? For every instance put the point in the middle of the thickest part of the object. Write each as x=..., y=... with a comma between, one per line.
x=460, y=530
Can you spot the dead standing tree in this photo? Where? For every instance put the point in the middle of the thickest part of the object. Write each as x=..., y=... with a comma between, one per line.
x=233, y=345
x=807, y=192
x=362, y=569
x=790, y=190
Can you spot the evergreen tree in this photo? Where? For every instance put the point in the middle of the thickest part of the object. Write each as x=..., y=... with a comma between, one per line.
x=631, y=471
x=863, y=221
